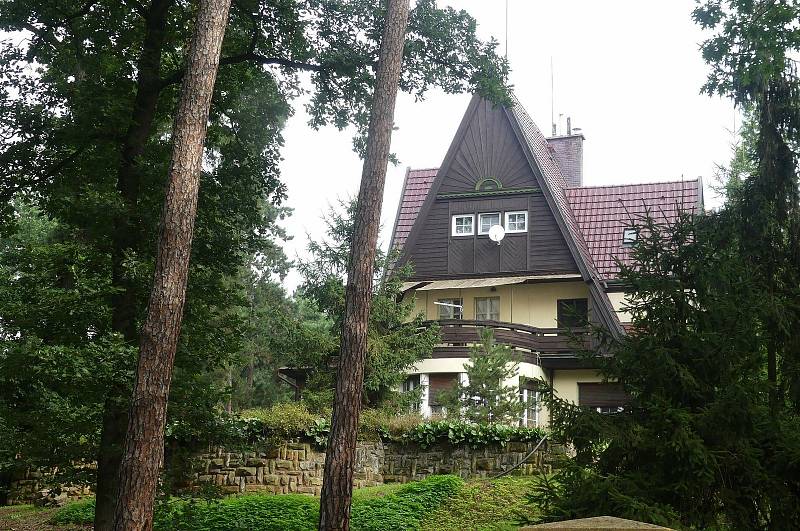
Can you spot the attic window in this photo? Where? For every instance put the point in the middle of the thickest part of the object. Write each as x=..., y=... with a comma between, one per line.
x=629, y=236
x=516, y=221
x=464, y=225
x=486, y=221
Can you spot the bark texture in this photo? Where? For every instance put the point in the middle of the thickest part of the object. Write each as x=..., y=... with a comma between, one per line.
x=144, y=443
x=125, y=239
x=337, y=487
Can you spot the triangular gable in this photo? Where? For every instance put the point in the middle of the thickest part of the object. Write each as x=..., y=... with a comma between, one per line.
x=486, y=161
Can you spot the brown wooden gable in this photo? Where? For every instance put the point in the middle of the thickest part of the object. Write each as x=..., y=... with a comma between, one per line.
x=486, y=169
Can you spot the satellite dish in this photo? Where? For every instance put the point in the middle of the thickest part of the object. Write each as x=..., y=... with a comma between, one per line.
x=497, y=233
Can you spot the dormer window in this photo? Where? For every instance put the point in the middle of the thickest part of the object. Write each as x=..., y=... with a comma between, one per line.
x=486, y=221
x=516, y=221
x=464, y=225
x=629, y=236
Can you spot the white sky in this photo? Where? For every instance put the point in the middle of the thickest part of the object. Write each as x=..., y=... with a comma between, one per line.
x=628, y=72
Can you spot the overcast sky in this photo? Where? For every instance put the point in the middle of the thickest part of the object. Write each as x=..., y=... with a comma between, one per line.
x=628, y=72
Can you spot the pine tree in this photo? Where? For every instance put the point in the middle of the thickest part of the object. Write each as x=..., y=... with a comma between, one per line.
x=485, y=396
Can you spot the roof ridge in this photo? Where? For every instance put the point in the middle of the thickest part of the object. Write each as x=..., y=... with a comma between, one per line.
x=422, y=169
x=675, y=181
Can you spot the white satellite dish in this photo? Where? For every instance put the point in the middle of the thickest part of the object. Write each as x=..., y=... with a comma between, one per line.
x=497, y=233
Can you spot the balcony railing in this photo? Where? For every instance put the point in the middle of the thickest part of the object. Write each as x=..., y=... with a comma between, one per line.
x=530, y=342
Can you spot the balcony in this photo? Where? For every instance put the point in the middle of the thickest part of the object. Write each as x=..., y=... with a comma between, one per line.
x=554, y=348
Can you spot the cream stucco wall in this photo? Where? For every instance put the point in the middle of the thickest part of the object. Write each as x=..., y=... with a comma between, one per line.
x=565, y=383
x=530, y=304
x=618, y=301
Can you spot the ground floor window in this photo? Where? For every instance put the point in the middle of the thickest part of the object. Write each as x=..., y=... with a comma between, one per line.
x=602, y=397
x=529, y=396
x=438, y=383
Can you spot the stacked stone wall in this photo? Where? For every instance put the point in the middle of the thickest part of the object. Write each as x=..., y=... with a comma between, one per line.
x=297, y=467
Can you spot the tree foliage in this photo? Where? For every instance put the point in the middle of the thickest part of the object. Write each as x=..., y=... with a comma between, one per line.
x=486, y=397
x=396, y=338
x=709, y=438
x=87, y=98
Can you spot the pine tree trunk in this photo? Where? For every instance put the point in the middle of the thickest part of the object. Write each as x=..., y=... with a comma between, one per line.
x=144, y=443
x=337, y=487
x=125, y=237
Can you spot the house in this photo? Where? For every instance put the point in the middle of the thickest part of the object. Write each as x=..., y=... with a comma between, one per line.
x=552, y=266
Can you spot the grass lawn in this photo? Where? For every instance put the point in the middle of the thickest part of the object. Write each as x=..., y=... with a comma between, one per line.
x=483, y=506
x=440, y=503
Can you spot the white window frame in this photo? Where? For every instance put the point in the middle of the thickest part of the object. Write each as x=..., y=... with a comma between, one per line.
x=471, y=225
x=629, y=236
x=480, y=217
x=509, y=214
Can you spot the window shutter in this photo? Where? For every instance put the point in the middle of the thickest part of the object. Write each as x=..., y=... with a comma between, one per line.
x=438, y=383
x=601, y=395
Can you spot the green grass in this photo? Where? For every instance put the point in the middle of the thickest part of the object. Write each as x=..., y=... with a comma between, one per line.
x=440, y=503
x=483, y=506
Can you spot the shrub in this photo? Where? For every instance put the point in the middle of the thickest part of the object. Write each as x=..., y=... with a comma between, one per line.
x=78, y=513
x=286, y=419
x=289, y=512
x=406, y=508
x=402, y=508
x=475, y=435
x=272, y=426
x=377, y=424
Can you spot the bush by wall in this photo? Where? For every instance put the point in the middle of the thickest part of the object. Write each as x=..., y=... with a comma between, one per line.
x=403, y=508
x=294, y=421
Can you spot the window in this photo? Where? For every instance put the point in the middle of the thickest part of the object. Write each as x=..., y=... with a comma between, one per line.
x=486, y=221
x=464, y=225
x=411, y=383
x=602, y=397
x=438, y=385
x=487, y=308
x=516, y=221
x=572, y=312
x=450, y=308
x=629, y=236
x=529, y=396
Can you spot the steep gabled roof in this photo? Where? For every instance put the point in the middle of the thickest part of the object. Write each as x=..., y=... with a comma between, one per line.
x=603, y=212
x=553, y=186
x=415, y=189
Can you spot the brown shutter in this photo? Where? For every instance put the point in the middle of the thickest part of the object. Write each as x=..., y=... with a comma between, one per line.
x=438, y=383
x=601, y=395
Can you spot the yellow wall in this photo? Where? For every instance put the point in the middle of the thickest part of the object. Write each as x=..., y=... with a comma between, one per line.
x=565, y=383
x=530, y=304
x=618, y=301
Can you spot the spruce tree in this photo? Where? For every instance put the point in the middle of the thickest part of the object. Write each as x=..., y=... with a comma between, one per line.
x=485, y=396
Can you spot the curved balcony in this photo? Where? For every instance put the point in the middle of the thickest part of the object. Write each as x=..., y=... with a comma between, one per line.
x=548, y=347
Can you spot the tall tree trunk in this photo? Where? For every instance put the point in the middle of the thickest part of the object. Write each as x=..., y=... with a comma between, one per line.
x=125, y=238
x=337, y=487
x=144, y=443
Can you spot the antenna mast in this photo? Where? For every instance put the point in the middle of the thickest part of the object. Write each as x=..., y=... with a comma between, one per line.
x=552, y=99
x=506, y=29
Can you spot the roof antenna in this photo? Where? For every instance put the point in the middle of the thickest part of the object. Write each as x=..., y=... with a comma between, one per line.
x=552, y=98
x=506, y=30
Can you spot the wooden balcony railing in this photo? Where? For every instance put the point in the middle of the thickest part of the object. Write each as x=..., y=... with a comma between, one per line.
x=532, y=343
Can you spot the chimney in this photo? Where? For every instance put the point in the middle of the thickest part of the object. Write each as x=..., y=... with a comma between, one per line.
x=568, y=152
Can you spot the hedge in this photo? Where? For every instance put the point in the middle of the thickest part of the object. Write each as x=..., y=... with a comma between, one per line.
x=402, y=509
x=294, y=421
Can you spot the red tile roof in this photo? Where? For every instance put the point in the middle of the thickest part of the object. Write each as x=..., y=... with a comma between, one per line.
x=603, y=212
x=415, y=189
x=600, y=213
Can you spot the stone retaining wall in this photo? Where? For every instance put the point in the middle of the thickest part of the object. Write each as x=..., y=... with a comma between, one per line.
x=297, y=467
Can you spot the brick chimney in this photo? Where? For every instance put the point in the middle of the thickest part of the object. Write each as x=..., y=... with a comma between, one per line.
x=568, y=152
